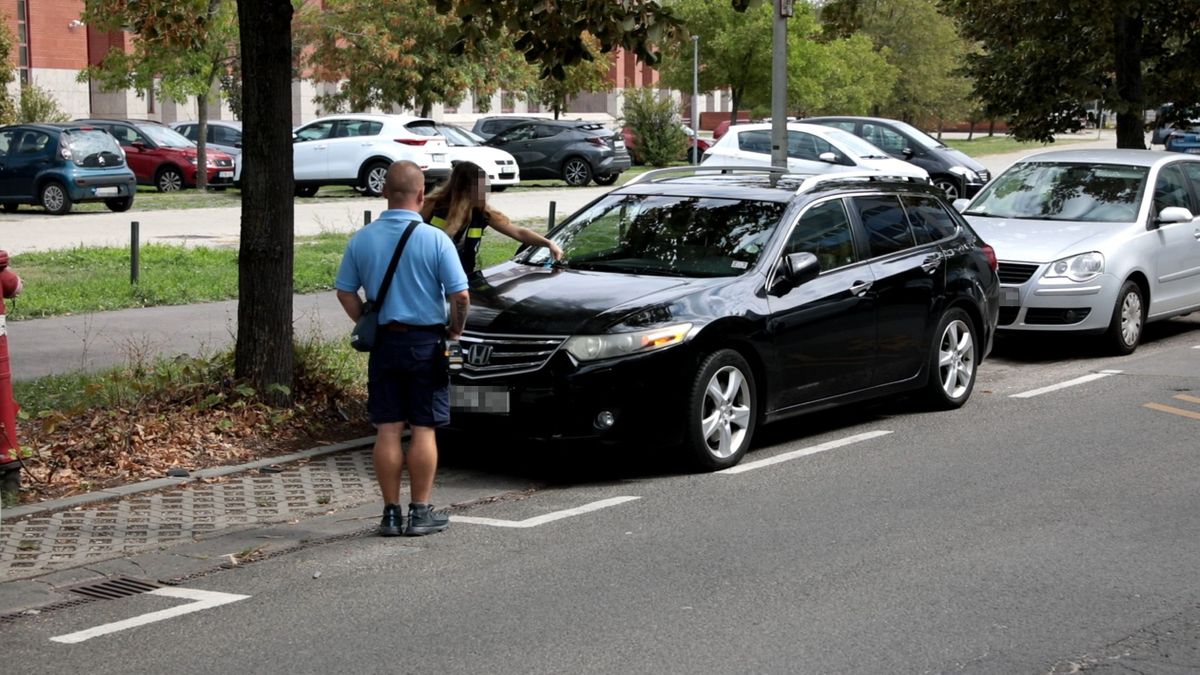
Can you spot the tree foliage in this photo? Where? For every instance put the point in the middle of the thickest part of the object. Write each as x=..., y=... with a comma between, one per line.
x=8, y=108
x=589, y=74
x=654, y=120
x=39, y=105
x=1042, y=62
x=396, y=54
x=180, y=49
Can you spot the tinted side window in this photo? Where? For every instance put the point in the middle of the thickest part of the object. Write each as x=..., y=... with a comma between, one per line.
x=885, y=139
x=1192, y=169
x=824, y=231
x=315, y=132
x=6, y=141
x=1171, y=189
x=524, y=132
x=883, y=219
x=806, y=146
x=930, y=220
x=33, y=143
x=755, y=141
x=189, y=131
x=547, y=131
x=125, y=135
x=226, y=135
x=844, y=126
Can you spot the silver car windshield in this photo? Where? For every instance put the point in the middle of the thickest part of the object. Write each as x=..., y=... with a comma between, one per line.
x=666, y=235
x=1098, y=193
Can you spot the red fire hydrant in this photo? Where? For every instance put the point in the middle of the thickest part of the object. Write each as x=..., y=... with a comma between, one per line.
x=10, y=284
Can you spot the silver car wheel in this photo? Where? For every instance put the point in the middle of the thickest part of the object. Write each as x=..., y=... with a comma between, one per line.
x=725, y=417
x=577, y=172
x=170, y=181
x=375, y=179
x=53, y=197
x=956, y=359
x=1131, y=318
x=947, y=186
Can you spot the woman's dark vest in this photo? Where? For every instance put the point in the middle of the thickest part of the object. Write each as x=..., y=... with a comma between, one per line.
x=468, y=239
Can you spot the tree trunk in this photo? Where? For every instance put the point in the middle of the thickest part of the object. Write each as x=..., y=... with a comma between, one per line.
x=1127, y=48
x=735, y=96
x=264, y=354
x=991, y=127
x=971, y=131
x=202, y=142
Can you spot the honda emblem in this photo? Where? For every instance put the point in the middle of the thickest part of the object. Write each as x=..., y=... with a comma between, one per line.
x=479, y=355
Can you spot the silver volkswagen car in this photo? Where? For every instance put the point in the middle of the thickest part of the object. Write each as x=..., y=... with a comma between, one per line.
x=1093, y=241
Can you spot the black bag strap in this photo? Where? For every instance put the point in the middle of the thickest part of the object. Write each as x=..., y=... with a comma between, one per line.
x=391, y=270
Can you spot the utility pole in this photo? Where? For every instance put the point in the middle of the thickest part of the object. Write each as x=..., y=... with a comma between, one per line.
x=695, y=99
x=783, y=9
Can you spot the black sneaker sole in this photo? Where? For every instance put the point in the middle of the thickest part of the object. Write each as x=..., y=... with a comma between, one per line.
x=421, y=531
x=390, y=531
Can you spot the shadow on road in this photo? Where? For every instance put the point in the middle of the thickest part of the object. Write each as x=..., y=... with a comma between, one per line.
x=1047, y=347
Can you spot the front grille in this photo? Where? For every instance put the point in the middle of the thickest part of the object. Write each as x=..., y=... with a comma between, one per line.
x=984, y=176
x=1016, y=273
x=1052, y=316
x=495, y=355
x=224, y=163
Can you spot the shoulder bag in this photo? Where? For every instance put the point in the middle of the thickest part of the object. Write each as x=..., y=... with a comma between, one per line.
x=362, y=338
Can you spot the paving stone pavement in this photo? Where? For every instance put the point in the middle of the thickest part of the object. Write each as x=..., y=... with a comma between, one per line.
x=41, y=543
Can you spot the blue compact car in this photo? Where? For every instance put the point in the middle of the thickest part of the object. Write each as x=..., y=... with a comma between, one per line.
x=56, y=166
x=1186, y=140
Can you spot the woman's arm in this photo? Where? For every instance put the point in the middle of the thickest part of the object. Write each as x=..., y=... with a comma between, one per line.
x=524, y=235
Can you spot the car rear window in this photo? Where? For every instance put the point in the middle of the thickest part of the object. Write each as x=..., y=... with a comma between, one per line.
x=92, y=147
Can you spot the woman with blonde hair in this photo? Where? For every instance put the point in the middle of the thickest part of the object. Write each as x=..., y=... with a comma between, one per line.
x=459, y=206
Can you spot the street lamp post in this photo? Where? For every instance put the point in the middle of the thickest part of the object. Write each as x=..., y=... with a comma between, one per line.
x=695, y=99
x=783, y=9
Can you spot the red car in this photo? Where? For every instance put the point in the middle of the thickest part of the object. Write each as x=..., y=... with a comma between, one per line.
x=631, y=144
x=164, y=158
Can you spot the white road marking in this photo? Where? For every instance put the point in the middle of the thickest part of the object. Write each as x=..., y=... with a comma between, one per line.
x=1069, y=383
x=543, y=519
x=803, y=452
x=202, y=600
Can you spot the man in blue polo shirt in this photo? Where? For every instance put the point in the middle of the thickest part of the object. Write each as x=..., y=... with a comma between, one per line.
x=407, y=378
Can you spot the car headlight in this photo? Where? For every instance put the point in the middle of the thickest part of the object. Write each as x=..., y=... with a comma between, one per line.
x=1080, y=267
x=595, y=347
x=969, y=175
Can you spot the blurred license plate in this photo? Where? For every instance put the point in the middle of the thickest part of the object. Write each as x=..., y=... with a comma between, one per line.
x=106, y=191
x=480, y=399
x=225, y=174
x=1010, y=297
x=437, y=158
x=618, y=144
x=1194, y=151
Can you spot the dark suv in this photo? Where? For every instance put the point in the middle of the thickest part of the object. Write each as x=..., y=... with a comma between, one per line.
x=577, y=152
x=691, y=306
x=486, y=127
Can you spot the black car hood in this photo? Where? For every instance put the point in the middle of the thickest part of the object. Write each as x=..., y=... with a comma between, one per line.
x=960, y=158
x=532, y=300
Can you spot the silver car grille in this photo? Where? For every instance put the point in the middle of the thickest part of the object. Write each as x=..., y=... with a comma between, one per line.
x=496, y=355
x=1016, y=273
x=224, y=163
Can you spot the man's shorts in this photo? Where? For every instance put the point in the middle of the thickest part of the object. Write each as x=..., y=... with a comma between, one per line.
x=407, y=380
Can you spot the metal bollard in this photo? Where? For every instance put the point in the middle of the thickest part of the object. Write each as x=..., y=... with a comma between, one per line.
x=550, y=220
x=135, y=253
x=366, y=217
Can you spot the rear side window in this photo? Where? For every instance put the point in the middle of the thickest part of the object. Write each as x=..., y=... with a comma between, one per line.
x=930, y=220
x=33, y=143
x=547, y=131
x=755, y=141
x=824, y=231
x=225, y=135
x=884, y=221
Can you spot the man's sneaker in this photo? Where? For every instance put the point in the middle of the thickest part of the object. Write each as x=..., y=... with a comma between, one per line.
x=422, y=520
x=392, y=522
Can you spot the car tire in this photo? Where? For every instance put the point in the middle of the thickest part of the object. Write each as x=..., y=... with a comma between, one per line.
x=576, y=172
x=953, y=361
x=948, y=185
x=168, y=179
x=119, y=204
x=54, y=198
x=607, y=180
x=1128, y=319
x=373, y=178
x=11, y=207
x=307, y=190
x=722, y=411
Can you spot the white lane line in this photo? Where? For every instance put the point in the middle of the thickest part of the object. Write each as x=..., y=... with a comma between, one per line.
x=543, y=519
x=803, y=452
x=201, y=600
x=1069, y=383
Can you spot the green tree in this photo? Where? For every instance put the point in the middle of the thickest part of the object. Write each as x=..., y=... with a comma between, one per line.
x=654, y=119
x=589, y=74
x=39, y=105
x=921, y=43
x=8, y=108
x=180, y=49
x=1043, y=61
x=381, y=55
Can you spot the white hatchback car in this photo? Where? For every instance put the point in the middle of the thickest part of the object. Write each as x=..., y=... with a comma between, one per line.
x=464, y=146
x=356, y=149
x=812, y=148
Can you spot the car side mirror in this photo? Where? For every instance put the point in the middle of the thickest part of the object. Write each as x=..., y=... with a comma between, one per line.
x=908, y=153
x=141, y=147
x=238, y=144
x=961, y=204
x=828, y=157
x=1173, y=214
x=796, y=269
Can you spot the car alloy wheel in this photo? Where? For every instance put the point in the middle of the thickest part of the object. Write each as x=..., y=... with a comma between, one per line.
x=1129, y=317
x=607, y=180
x=54, y=198
x=722, y=411
x=375, y=178
x=954, y=360
x=948, y=186
x=169, y=180
x=576, y=172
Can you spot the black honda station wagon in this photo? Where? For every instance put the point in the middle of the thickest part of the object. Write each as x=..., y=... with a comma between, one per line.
x=695, y=304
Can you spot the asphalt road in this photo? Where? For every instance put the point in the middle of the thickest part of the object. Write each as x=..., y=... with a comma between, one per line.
x=1020, y=534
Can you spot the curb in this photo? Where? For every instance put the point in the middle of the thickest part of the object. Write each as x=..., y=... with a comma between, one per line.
x=159, y=483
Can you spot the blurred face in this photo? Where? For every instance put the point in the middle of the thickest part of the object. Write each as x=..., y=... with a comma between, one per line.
x=479, y=191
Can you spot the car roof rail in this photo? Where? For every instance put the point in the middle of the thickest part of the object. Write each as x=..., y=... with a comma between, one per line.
x=657, y=175
x=814, y=181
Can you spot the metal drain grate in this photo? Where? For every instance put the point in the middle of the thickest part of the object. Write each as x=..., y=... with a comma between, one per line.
x=111, y=589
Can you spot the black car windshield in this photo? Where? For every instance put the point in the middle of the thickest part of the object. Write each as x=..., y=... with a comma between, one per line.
x=1064, y=191
x=165, y=137
x=918, y=135
x=93, y=147
x=666, y=235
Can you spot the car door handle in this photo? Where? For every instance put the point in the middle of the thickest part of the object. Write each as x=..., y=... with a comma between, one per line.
x=931, y=262
x=1196, y=234
x=860, y=287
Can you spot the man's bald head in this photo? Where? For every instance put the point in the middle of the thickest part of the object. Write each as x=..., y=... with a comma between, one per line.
x=404, y=186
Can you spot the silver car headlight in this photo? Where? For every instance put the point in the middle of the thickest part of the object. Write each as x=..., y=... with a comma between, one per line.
x=595, y=347
x=969, y=175
x=1082, y=267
